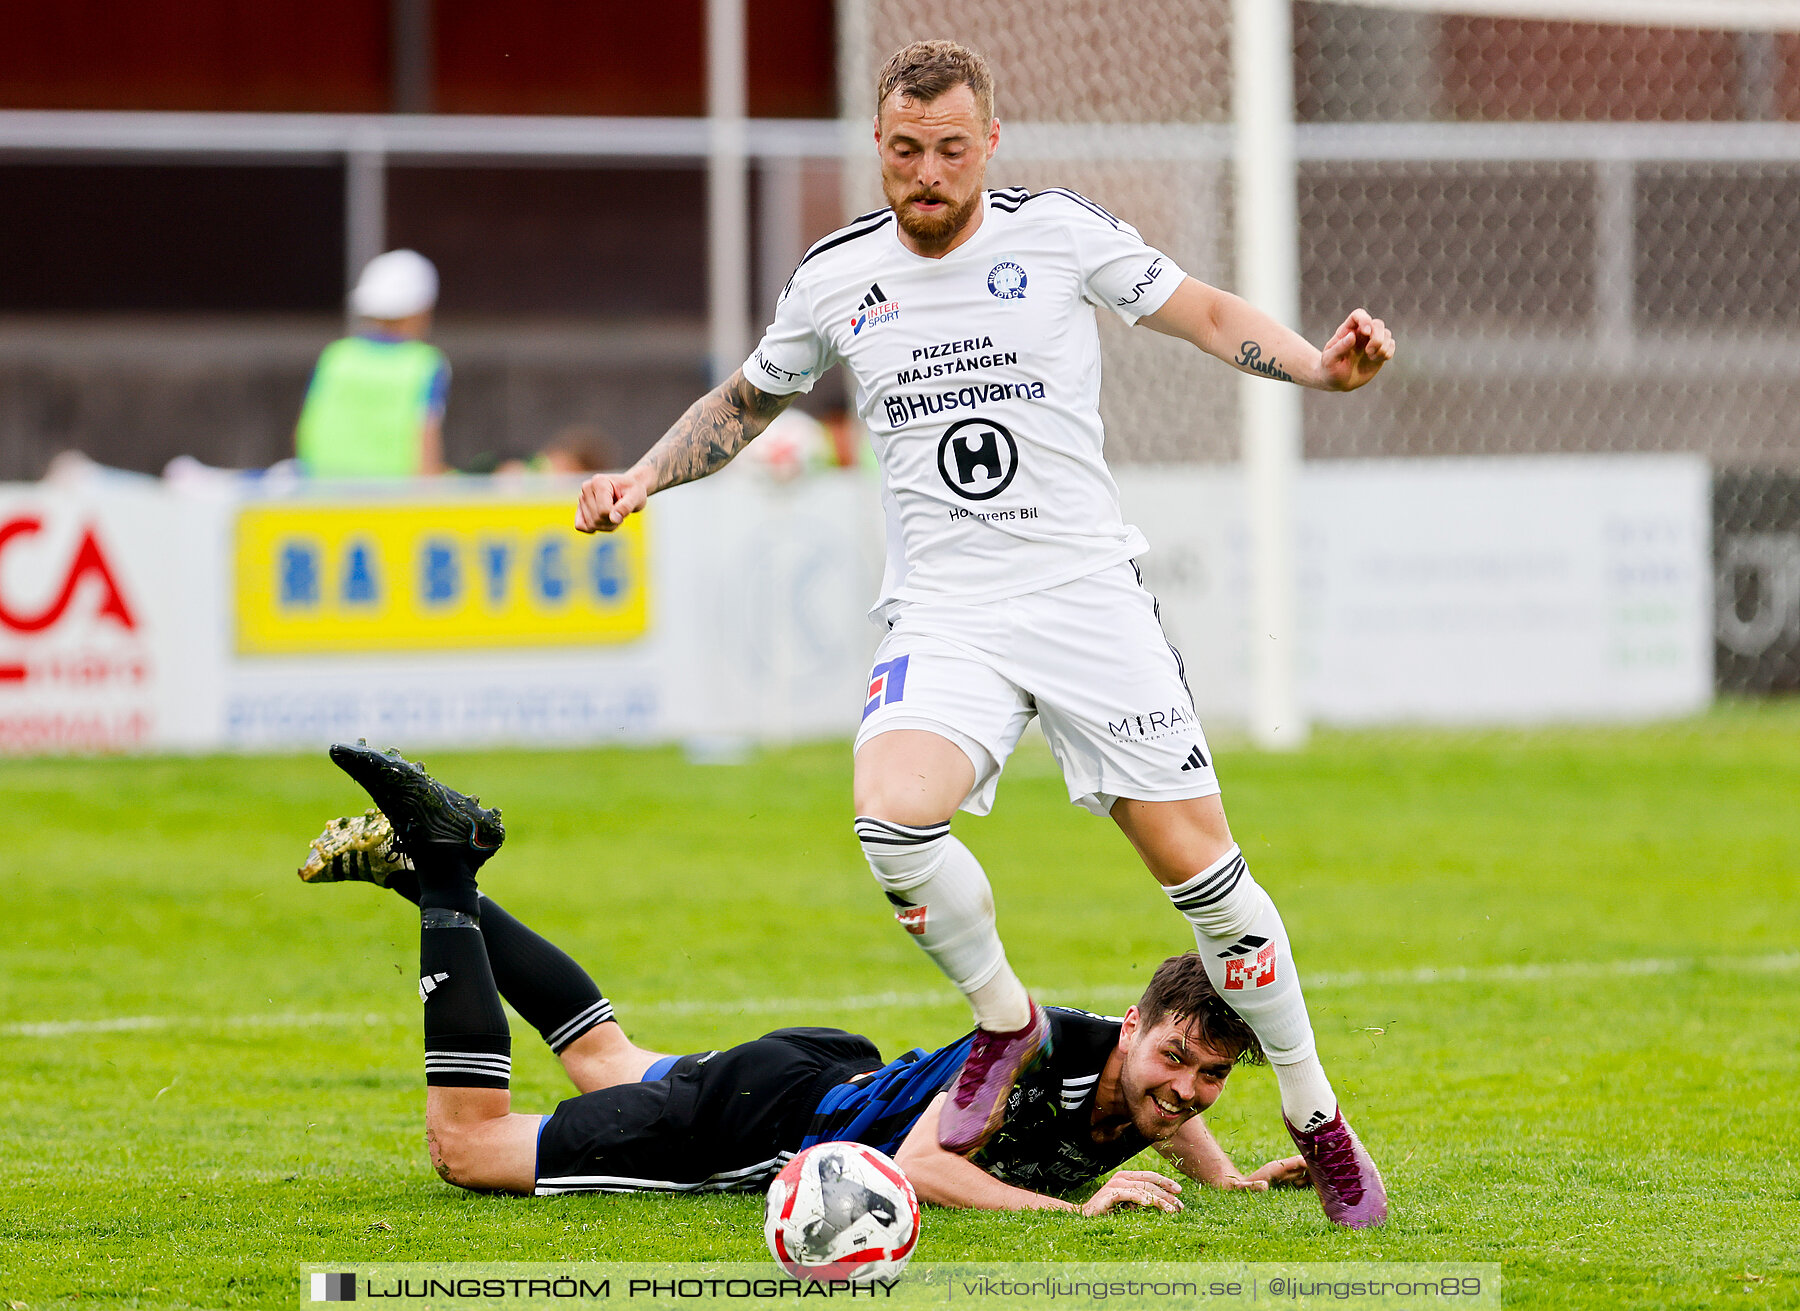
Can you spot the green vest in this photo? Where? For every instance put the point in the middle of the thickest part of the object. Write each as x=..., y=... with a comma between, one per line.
x=366, y=408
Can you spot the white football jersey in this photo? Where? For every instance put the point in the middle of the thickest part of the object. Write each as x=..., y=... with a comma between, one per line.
x=978, y=376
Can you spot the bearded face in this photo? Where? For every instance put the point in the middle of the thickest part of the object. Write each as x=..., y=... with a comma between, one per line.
x=934, y=157
x=1166, y=1077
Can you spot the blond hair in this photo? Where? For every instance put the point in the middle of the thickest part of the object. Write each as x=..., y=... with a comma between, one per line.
x=925, y=70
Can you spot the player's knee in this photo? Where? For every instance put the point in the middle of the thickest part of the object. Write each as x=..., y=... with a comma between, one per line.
x=881, y=796
x=911, y=777
x=447, y=1152
x=456, y=1155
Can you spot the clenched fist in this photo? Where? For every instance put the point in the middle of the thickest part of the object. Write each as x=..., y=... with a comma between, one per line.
x=1356, y=351
x=606, y=499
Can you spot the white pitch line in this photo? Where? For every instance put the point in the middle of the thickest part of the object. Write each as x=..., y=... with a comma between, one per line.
x=138, y=1023
x=1550, y=970
x=870, y=1001
x=1425, y=975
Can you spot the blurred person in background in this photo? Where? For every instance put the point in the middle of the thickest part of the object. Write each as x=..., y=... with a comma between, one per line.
x=793, y=444
x=578, y=448
x=375, y=406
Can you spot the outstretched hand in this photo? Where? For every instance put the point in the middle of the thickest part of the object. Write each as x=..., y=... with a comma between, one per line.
x=1134, y=1188
x=1288, y=1172
x=1356, y=351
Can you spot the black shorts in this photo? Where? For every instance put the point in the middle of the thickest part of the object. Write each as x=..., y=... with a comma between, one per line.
x=718, y=1122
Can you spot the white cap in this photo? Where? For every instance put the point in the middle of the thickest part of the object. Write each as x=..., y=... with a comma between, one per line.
x=396, y=285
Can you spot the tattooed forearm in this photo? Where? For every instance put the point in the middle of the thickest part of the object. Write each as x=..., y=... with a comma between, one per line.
x=714, y=429
x=1250, y=358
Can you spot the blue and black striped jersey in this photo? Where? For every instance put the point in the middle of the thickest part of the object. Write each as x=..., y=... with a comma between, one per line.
x=1046, y=1142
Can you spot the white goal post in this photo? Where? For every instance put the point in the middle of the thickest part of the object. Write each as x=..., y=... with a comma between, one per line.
x=1269, y=417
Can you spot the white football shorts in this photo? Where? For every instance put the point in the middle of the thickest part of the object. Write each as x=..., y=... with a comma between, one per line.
x=1088, y=658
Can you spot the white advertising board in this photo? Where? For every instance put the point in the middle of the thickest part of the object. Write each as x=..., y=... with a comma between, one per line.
x=96, y=597
x=1507, y=590
x=1454, y=591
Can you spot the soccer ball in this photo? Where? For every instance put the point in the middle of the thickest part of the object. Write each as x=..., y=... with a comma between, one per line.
x=841, y=1211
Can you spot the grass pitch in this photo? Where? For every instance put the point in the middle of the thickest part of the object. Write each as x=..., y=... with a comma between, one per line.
x=1553, y=977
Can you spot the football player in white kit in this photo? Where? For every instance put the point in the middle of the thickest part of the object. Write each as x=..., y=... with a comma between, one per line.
x=966, y=318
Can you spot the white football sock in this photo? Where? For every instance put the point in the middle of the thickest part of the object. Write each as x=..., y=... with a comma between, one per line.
x=941, y=896
x=1244, y=946
x=1306, y=1096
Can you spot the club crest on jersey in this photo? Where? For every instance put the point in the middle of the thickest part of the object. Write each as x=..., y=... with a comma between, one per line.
x=875, y=308
x=1007, y=281
x=887, y=684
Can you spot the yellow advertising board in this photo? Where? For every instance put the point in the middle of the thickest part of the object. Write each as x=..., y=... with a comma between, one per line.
x=378, y=576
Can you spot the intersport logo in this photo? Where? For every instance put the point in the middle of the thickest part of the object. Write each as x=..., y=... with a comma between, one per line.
x=875, y=309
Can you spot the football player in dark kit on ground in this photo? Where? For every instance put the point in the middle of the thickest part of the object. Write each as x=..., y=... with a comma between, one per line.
x=727, y=1120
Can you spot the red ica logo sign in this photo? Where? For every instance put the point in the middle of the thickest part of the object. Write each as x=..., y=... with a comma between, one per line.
x=88, y=561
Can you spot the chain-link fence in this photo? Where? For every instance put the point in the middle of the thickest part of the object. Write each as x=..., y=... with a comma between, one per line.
x=1582, y=234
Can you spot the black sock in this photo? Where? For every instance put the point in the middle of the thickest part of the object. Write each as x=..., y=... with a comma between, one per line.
x=446, y=877
x=467, y=1044
x=537, y=978
x=541, y=980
